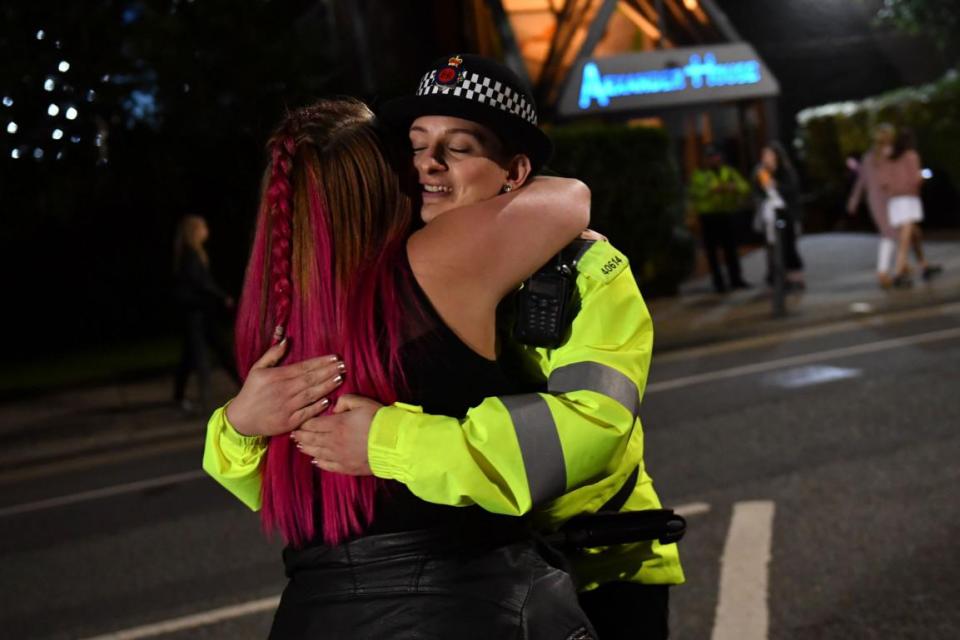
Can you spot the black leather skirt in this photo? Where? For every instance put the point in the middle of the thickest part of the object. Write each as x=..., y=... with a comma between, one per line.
x=428, y=584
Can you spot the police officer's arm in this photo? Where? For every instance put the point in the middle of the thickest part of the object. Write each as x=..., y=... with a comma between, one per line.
x=514, y=453
x=479, y=250
x=699, y=187
x=701, y=191
x=233, y=459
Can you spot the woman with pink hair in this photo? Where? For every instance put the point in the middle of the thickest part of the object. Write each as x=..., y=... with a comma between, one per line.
x=340, y=266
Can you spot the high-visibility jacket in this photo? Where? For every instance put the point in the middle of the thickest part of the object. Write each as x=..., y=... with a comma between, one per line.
x=720, y=190
x=563, y=452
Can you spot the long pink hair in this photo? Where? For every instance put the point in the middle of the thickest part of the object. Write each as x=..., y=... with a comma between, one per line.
x=327, y=270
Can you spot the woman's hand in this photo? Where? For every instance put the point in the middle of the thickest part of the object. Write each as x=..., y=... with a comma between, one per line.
x=338, y=442
x=276, y=400
x=590, y=234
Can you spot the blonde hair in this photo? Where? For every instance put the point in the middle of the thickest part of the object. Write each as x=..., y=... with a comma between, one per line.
x=188, y=236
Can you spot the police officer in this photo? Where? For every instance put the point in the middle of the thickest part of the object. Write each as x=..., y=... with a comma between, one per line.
x=717, y=193
x=575, y=445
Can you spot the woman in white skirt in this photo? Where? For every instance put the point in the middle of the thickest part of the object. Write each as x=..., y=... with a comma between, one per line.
x=902, y=179
x=870, y=183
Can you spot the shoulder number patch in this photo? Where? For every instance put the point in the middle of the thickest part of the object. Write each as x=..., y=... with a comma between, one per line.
x=602, y=262
x=611, y=265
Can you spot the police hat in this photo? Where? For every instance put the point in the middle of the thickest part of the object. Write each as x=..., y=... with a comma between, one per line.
x=480, y=90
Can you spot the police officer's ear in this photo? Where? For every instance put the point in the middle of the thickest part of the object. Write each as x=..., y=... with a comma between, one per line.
x=519, y=170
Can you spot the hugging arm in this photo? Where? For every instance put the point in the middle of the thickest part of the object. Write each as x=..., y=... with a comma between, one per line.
x=488, y=248
x=276, y=400
x=273, y=400
x=512, y=454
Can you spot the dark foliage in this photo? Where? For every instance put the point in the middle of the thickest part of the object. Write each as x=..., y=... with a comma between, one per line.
x=637, y=197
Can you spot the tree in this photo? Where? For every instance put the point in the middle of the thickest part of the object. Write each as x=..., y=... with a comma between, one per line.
x=938, y=20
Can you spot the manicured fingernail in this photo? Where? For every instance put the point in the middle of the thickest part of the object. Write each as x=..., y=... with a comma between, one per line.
x=337, y=379
x=334, y=358
x=342, y=367
x=314, y=462
x=292, y=437
x=299, y=446
x=324, y=402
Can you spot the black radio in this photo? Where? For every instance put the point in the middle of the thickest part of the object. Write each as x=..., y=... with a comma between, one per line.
x=545, y=303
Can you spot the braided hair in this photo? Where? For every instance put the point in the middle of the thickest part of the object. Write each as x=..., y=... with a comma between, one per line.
x=327, y=271
x=279, y=195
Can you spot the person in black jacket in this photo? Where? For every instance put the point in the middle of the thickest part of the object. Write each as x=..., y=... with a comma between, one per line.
x=198, y=299
x=776, y=188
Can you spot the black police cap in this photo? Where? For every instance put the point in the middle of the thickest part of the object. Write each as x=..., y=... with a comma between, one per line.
x=480, y=90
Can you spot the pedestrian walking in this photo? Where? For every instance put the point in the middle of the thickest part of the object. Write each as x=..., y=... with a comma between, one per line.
x=199, y=301
x=870, y=181
x=902, y=180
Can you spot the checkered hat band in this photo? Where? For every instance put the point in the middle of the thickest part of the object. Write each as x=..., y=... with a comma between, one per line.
x=483, y=90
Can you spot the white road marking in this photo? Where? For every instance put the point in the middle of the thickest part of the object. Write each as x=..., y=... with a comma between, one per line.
x=809, y=375
x=692, y=509
x=105, y=492
x=742, y=601
x=666, y=385
x=89, y=461
x=193, y=621
x=266, y=604
x=806, y=358
x=780, y=337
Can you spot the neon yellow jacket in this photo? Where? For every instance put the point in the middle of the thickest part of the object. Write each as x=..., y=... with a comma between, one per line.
x=561, y=453
x=722, y=190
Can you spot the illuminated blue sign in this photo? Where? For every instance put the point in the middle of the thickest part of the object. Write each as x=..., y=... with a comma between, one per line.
x=666, y=78
x=699, y=72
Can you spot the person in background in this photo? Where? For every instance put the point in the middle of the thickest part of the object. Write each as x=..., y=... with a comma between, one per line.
x=199, y=299
x=869, y=180
x=776, y=187
x=901, y=181
x=717, y=193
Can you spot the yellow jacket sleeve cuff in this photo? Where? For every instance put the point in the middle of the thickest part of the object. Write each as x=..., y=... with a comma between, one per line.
x=384, y=453
x=234, y=437
x=233, y=459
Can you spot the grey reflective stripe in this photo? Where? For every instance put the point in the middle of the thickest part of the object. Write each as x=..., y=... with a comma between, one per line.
x=539, y=446
x=593, y=376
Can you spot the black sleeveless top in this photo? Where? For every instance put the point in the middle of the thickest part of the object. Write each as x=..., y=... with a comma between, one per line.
x=445, y=377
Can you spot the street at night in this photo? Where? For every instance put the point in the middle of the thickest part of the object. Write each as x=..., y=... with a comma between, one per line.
x=836, y=446
x=367, y=320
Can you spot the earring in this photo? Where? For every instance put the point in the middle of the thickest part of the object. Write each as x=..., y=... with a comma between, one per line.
x=507, y=188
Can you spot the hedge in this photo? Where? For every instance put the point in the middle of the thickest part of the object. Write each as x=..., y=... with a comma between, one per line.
x=829, y=133
x=637, y=196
